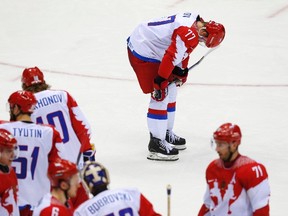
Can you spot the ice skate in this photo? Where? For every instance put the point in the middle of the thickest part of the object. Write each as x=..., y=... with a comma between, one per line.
x=160, y=150
x=176, y=141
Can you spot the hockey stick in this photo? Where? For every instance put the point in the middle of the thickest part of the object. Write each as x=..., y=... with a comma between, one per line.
x=168, y=199
x=191, y=67
x=199, y=61
x=78, y=158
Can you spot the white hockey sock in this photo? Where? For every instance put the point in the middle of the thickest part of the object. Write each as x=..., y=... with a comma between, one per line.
x=157, y=118
x=157, y=127
x=171, y=116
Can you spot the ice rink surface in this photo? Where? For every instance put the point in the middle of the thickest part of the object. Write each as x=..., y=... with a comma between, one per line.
x=81, y=47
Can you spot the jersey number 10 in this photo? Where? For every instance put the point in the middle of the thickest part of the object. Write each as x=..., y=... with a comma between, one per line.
x=52, y=120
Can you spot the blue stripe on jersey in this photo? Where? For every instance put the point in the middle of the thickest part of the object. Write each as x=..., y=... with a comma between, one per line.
x=139, y=56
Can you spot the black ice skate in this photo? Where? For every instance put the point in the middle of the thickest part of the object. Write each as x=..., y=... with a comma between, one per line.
x=176, y=141
x=161, y=150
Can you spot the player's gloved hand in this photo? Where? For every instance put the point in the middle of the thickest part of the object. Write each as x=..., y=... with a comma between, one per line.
x=89, y=155
x=179, y=76
x=160, y=88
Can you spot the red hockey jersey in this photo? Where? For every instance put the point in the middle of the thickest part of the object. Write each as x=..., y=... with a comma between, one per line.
x=8, y=193
x=241, y=190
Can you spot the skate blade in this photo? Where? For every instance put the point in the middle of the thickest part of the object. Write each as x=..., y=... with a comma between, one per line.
x=179, y=147
x=161, y=157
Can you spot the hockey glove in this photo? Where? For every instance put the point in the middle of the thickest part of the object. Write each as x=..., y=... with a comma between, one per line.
x=89, y=155
x=179, y=76
x=160, y=89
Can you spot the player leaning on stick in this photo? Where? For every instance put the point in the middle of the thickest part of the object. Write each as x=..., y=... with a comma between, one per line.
x=159, y=52
x=236, y=184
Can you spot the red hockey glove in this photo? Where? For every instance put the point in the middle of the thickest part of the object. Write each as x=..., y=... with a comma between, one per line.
x=179, y=76
x=160, y=89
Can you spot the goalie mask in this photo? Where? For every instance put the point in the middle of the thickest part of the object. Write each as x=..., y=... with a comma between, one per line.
x=95, y=175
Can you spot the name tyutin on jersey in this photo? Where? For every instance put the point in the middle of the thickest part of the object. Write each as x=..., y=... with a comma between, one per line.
x=27, y=132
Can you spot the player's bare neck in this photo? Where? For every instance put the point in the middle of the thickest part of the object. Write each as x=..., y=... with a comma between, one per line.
x=24, y=118
x=59, y=195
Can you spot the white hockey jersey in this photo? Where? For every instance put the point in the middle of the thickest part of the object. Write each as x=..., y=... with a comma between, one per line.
x=37, y=146
x=168, y=40
x=128, y=201
x=58, y=108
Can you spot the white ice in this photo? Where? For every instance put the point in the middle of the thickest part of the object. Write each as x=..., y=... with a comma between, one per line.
x=81, y=47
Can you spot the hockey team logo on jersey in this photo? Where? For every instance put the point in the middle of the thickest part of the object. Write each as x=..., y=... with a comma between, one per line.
x=218, y=194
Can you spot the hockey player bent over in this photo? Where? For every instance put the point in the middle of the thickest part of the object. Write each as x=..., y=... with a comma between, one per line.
x=158, y=52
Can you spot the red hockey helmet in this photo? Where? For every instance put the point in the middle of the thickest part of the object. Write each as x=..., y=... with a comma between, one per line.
x=61, y=170
x=7, y=140
x=24, y=99
x=216, y=34
x=228, y=133
x=32, y=76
